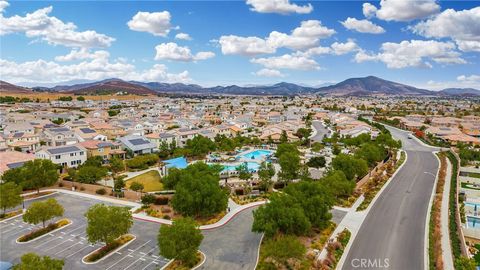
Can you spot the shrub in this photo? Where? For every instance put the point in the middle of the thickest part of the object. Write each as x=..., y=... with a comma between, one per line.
x=60, y=184
x=166, y=217
x=36, y=233
x=148, y=199
x=82, y=188
x=161, y=200
x=101, y=191
x=100, y=253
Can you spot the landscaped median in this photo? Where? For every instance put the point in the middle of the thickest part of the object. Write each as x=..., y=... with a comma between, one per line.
x=11, y=214
x=178, y=265
x=109, y=249
x=435, y=234
x=34, y=235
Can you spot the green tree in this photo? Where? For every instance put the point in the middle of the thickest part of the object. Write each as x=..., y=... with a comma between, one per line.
x=283, y=137
x=266, y=172
x=91, y=174
x=136, y=186
x=172, y=178
x=116, y=165
x=10, y=196
x=317, y=162
x=31, y=261
x=106, y=223
x=33, y=174
x=180, y=241
x=290, y=166
x=200, y=146
x=352, y=167
x=315, y=200
x=464, y=263
x=80, y=98
x=243, y=172
x=43, y=211
x=118, y=184
x=286, y=148
x=196, y=196
x=282, y=214
x=371, y=153
x=96, y=161
x=338, y=184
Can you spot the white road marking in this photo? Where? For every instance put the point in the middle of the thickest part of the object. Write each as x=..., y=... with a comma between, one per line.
x=58, y=244
x=128, y=254
x=78, y=251
x=139, y=258
x=68, y=248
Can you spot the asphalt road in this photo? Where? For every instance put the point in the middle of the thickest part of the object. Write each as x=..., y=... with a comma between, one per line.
x=71, y=245
x=321, y=131
x=233, y=246
x=392, y=234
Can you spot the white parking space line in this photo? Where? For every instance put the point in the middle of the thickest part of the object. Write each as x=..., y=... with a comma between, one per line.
x=52, y=247
x=139, y=258
x=68, y=247
x=69, y=232
x=16, y=230
x=78, y=251
x=128, y=255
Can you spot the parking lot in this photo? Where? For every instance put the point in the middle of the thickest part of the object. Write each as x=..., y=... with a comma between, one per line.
x=70, y=243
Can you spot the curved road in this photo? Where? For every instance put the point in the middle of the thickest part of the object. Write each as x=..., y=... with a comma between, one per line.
x=233, y=246
x=321, y=131
x=392, y=234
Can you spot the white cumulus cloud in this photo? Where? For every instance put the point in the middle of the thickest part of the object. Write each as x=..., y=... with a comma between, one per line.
x=307, y=35
x=3, y=5
x=362, y=26
x=39, y=24
x=402, y=10
x=266, y=72
x=232, y=44
x=171, y=51
x=183, y=36
x=278, y=6
x=414, y=53
x=287, y=61
x=81, y=54
x=369, y=10
x=156, y=23
x=461, y=26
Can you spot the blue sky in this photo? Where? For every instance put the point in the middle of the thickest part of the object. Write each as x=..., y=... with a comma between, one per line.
x=430, y=44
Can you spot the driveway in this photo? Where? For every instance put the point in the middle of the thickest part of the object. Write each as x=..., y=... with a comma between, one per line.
x=392, y=234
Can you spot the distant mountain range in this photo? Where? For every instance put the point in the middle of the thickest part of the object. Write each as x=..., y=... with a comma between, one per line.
x=366, y=86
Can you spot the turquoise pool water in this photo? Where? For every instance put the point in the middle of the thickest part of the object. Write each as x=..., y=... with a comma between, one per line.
x=257, y=154
x=473, y=222
x=472, y=204
x=252, y=166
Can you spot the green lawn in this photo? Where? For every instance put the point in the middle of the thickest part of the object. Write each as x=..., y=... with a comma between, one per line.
x=150, y=180
x=469, y=186
x=472, y=174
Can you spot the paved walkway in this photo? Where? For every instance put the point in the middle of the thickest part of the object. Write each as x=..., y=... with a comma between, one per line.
x=133, y=174
x=446, y=247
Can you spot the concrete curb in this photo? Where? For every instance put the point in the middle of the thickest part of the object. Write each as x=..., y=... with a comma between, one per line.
x=194, y=268
x=426, y=261
x=447, y=251
x=341, y=262
x=10, y=218
x=109, y=254
x=222, y=222
x=43, y=235
x=258, y=251
x=39, y=197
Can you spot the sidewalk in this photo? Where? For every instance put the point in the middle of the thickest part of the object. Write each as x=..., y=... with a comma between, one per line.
x=133, y=174
x=446, y=247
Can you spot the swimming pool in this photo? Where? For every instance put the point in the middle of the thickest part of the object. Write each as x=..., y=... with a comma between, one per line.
x=473, y=222
x=256, y=154
x=251, y=166
x=473, y=204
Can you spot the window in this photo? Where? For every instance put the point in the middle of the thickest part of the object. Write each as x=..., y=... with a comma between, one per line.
x=100, y=150
x=57, y=157
x=72, y=163
x=81, y=153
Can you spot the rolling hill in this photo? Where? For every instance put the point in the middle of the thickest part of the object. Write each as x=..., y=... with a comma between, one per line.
x=110, y=86
x=372, y=85
x=6, y=88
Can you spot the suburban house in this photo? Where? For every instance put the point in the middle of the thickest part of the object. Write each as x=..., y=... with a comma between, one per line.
x=25, y=142
x=59, y=136
x=104, y=149
x=159, y=138
x=138, y=144
x=66, y=156
x=13, y=159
